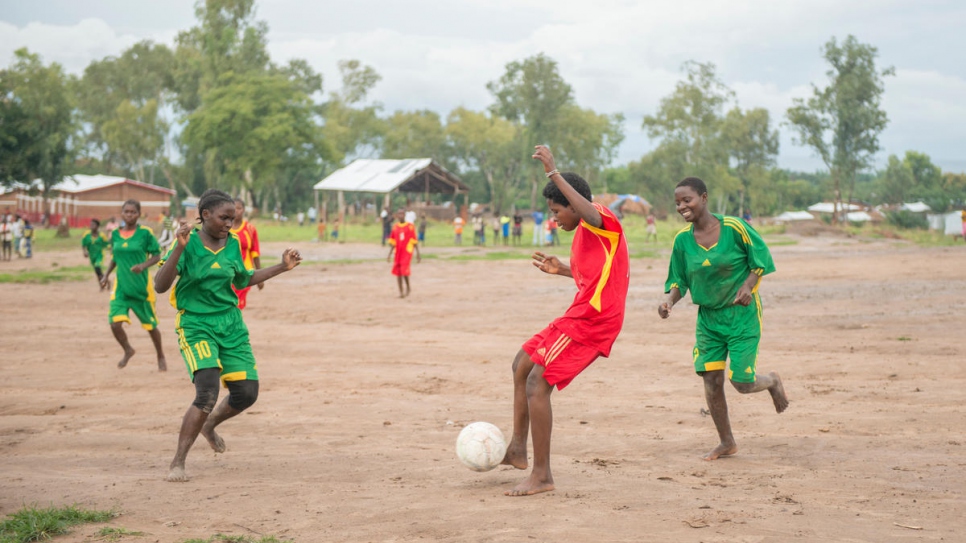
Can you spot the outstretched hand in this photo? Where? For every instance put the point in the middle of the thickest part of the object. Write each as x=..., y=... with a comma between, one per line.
x=291, y=258
x=547, y=263
x=544, y=155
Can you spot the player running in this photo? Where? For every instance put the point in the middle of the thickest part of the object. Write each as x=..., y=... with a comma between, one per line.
x=558, y=353
x=135, y=249
x=721, y=260
x=212, y=336
x=93, y=244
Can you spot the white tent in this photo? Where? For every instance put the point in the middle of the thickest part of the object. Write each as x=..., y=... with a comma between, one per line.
x=858, y=216
x=951, y=223
x=915, y=207
x=829, y=207
x=789, y=216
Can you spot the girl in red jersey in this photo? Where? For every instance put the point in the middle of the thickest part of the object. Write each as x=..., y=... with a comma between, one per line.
x=249, y=246
x=558, y=353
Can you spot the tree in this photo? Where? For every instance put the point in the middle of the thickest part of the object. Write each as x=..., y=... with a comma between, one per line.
x=351, y=127
x=532, y=94
x=689, y=123
x=842, y=121
x=247, y=126
x=121, y=101
x=752, y=146
x=415, y=134
x=490, y=145
x=37, y=126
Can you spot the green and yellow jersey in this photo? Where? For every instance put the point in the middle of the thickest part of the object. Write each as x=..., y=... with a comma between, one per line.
x=131, y=249
x=205, y=276
x=715, y=274
x=95, y=245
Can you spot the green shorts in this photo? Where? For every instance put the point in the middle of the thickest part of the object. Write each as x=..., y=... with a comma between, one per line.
x=732, y=332
x=219, y=341
x=97, y=261
x=143, y=310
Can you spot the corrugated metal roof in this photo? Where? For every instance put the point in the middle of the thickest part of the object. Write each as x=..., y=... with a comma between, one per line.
x=366, y=175
x=80, y=183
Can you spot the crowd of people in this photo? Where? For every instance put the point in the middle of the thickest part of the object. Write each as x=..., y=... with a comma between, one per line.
x=16, y=236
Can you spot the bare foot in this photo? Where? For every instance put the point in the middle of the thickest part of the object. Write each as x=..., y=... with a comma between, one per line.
x=215, y=440
x=162, y=365
x=127, y=356
x=723, y=449
x=777, y=392
x=530, y=486
x=176, y=475
x=515, y=456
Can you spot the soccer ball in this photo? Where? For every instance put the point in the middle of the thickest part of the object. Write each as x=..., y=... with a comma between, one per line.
x=480, y=446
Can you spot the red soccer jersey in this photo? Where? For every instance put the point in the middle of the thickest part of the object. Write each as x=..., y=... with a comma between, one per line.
x=248, y=238
x=403, y=238
x=599, y=263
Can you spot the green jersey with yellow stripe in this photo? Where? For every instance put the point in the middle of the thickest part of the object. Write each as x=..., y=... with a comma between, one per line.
x=715, y=274
x=95, y=246
x=131, y=249
x=205, y=276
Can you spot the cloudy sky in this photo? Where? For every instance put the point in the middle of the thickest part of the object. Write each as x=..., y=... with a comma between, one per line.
x=619, y=55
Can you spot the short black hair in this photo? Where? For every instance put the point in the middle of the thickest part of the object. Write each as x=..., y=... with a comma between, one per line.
x=211, y=199
x=95, y=221
x=132, y=202
x=552, y=192
x=695, y=183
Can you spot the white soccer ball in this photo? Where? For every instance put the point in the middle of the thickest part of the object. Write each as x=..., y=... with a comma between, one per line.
x=480, y=446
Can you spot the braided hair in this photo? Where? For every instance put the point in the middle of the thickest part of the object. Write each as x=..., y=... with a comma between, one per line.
x=211, y=199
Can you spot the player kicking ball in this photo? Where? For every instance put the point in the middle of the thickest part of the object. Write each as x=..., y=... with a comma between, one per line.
x=213, y=338
x=553, y=357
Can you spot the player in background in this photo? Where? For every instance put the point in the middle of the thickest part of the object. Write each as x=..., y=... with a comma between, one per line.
x=212, y=336
x=402, y=240
x=558, y=353
x=248, y=238
x=721, y=260
x=93, y=244
x=134, y=249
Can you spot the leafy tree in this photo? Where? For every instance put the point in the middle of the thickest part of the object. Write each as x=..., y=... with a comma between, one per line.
x=247, y=126
x=351, y=127
x=414, y=134
x=121, y=102
x=753, y=147
x=842, y=121
x=491, y=146
x=37, y=125
x=532, y=94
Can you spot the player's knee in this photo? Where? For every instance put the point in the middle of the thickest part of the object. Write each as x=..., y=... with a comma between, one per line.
x=242, y=394
x=206, y=389
x=743, y=388
x=537, y=386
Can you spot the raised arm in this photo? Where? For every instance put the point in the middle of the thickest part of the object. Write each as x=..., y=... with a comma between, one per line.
x=584, y=209
x=165, y=276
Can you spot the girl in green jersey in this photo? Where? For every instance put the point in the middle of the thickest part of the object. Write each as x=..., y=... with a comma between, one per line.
x=211, y=333
x=721, y=260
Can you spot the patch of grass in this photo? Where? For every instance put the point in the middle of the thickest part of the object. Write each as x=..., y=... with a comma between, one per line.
x=222, y=538
x=73, y=273
x=904, y=338
x=110, y=533
x=33, y=524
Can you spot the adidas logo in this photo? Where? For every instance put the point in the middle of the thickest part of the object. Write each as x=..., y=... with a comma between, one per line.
x=541, y=351
x=125, y=244
x=706, y=262
x=215, y=266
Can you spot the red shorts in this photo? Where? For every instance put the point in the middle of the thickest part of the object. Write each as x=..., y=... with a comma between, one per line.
x=400, y=265
x=561, y=357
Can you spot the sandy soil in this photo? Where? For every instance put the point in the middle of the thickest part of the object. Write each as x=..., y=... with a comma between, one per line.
x=363, y=395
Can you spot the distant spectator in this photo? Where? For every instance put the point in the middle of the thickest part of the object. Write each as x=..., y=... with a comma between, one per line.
x=517, y=228
x=505, y=228
x=301, y=218
x=458, y=230
x=537, y=223
x=313, y=214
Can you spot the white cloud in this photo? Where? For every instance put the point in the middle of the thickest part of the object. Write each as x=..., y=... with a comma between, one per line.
x=619, y=55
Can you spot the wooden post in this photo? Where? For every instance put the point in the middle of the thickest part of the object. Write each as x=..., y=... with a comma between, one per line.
x=340, y=216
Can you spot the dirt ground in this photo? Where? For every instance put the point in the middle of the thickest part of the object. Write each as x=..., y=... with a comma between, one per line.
x=363, y=394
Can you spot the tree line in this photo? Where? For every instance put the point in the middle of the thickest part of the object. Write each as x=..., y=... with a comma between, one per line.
x=215, y=110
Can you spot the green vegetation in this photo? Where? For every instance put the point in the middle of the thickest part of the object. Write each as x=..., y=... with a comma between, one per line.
x=110, y=533
x=73, y=273
x=33, y=524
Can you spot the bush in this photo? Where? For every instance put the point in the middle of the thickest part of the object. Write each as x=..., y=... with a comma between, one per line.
x=907, y=219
